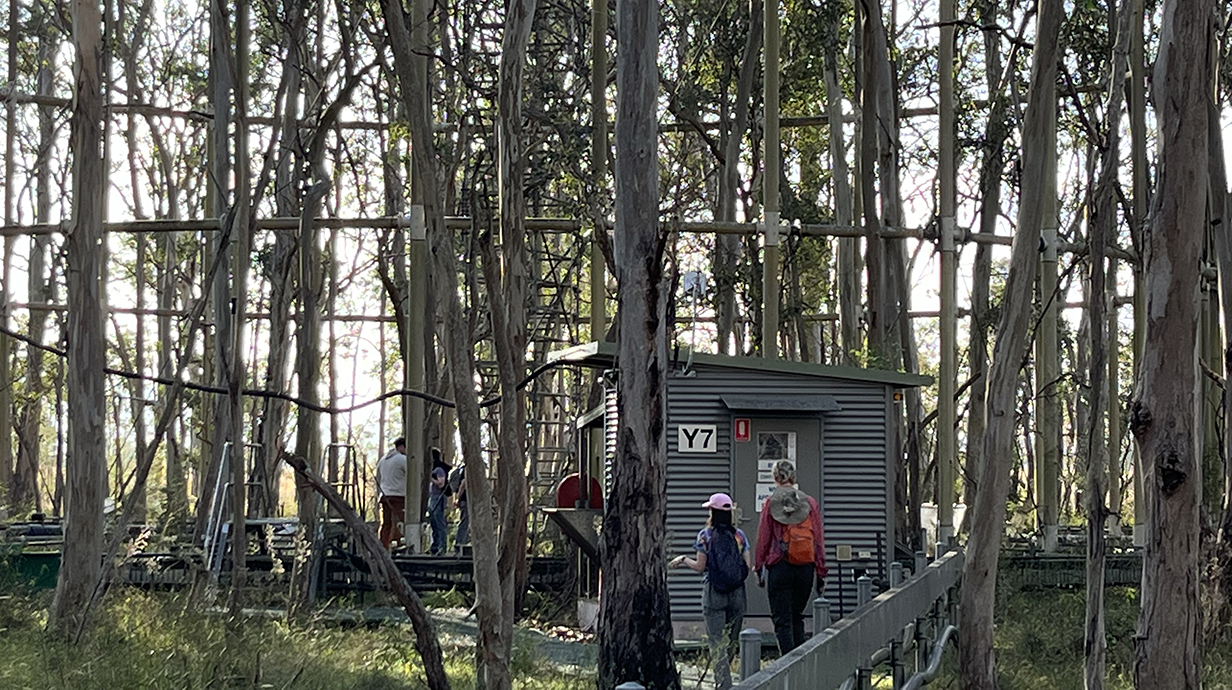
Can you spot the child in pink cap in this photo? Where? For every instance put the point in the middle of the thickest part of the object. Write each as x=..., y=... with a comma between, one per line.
x=724, y=558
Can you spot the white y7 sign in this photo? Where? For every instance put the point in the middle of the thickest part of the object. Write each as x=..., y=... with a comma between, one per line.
x=697, y=438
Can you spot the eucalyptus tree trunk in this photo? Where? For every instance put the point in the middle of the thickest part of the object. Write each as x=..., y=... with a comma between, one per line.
x=6, y=258
x=991, y=172
x=1219, y=611
x=135, y=28
x=458, y=349
x=1102, y=227
x=239, y=307
x=177, y=485
x=1141, y=193
x=280, y=270
x=876, y=153
x=308, y=368
x=10, y=138
x=509, y=296
x=849, y=294
x=217, y=416
x=635, y=630
x=308, y=342
x=1163, y=416
x=987, y=516
x=1221, y=206
x=727, y=247
x=86, y=471
x=24, y=487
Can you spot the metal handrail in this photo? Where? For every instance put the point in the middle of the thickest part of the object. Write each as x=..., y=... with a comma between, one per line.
x=836, y=654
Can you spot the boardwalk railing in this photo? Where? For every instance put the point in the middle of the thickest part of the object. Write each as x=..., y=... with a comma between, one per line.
x=918, y=615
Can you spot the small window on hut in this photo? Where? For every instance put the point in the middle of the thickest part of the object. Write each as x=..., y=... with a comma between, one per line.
x=776, y=445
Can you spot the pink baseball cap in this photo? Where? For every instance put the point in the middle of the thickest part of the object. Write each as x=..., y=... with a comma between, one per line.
x=719, y=501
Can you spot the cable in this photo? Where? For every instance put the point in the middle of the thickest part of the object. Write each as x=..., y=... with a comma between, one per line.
x=262, y=393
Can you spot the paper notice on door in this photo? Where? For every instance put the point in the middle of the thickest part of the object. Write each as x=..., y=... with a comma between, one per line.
x=763, y=492
x=765, y=471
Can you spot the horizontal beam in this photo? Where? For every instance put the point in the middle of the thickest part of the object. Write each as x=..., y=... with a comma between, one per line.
x=544, y=225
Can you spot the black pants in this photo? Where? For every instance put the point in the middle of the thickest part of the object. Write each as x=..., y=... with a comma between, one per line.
x=790, y=589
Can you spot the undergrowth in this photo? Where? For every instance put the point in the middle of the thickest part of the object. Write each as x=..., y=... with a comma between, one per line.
x=1039, y=642
x=143, y=640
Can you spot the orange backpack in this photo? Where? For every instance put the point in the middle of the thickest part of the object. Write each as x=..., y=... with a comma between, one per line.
x=798, y=542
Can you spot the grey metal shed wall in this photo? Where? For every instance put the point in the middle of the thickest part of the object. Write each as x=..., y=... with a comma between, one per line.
x=855, y=487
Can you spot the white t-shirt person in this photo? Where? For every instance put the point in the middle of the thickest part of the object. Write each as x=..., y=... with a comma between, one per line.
x=391, y=473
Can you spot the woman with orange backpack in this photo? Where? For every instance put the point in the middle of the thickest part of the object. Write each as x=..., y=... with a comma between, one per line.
x=791, y=549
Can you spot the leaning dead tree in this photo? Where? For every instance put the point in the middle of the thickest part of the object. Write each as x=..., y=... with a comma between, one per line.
x=387, y=574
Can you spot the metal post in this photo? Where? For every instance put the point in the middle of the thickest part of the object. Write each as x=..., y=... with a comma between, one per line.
x=821, y=614
x=413, y=373
x=770, y=268
x=1047, y=370
x=750, y=652
x=864, y=590
x=864, y=678
x=921, y=644
x=896, y=663
x=598, y=162
x=953, y=610
x=896, y=574
x=947, y=457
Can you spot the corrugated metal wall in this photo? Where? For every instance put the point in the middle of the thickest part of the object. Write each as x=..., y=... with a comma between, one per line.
x=856, y=494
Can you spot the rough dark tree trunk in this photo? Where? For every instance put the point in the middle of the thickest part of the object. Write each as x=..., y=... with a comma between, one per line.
x=635, y=630
x=1164, y=408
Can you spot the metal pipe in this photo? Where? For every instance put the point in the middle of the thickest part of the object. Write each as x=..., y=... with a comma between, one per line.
x=947, y=456
x=922, y=678
x=598, y=162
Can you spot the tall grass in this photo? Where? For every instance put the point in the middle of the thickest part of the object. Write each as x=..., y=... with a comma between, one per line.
x=145, y=640
x=1039, y=641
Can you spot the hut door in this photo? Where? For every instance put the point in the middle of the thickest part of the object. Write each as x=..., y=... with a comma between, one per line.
x=768, y=441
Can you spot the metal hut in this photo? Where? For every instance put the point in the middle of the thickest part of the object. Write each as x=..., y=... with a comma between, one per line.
x=730, y=419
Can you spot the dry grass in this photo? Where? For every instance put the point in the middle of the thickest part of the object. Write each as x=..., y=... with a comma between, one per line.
x=155, y=641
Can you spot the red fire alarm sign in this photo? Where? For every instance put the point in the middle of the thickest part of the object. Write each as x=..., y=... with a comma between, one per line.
x=742, y=430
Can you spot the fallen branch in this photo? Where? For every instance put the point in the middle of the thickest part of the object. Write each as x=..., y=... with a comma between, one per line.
x=385, y=571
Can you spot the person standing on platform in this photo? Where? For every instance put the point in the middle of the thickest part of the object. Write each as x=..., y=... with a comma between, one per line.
x=791, y=549
x=438, y=485
x=391, y=483
x=457, y=482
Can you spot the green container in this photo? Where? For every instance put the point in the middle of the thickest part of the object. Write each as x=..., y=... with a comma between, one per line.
x=28, y=569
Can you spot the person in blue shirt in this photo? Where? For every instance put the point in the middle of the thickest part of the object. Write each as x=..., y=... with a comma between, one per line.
x=436, y=504
x=724, y=566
